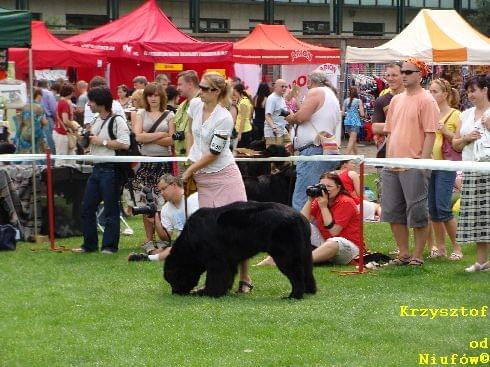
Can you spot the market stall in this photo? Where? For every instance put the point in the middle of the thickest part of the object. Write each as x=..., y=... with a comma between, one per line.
x=136, y=43
x=441, y=38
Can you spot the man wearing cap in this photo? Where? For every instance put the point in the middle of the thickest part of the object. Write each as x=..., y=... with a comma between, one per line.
x=411, y=123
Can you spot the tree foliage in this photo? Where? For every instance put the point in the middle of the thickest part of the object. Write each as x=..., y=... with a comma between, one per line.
x=481, y=18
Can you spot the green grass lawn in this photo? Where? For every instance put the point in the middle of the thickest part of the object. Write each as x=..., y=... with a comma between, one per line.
x=64, y=309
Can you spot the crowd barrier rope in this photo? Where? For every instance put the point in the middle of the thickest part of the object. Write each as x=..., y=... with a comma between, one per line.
x=401, y=163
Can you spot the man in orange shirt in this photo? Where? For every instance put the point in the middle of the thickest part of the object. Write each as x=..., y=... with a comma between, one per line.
x=410, y=124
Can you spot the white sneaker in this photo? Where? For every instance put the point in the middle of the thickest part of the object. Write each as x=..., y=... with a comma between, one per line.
x=478, y=267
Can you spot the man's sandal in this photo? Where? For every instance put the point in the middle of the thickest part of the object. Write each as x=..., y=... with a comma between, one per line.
x=416, y=262
x=400, y=261
x=244, y=287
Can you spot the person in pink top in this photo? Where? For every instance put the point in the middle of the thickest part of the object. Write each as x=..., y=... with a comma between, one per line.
x=411, y=123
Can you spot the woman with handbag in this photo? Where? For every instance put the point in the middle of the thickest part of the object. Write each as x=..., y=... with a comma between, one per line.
x=65, y=132
x=219, y=181
x=441, y=182
x=153, y=128
x=474, y=217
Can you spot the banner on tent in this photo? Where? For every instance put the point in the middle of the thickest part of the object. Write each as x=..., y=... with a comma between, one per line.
x=250, y=74
x=50, y=74
x=168, y=67
x=298, y=75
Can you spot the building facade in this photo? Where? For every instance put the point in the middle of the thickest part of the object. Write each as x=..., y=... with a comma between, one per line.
x=237, y=17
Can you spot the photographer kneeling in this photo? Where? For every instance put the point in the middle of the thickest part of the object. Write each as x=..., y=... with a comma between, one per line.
x=172, y=217
x=104, y=184
x=335, y=219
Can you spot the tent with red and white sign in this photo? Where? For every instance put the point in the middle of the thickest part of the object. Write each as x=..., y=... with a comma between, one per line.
x=145, y=36
x=275, y=45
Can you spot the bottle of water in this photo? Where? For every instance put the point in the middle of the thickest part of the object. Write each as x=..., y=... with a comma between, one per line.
x=369, y=194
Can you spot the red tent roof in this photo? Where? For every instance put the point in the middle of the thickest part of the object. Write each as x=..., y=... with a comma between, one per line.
x=273, y=44
x=50, y=52
x=147, y=34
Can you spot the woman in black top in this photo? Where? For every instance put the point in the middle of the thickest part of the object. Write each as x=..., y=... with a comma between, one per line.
x=263, y=91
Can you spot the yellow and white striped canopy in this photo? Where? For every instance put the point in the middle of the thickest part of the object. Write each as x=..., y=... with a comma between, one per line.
x=435, y=36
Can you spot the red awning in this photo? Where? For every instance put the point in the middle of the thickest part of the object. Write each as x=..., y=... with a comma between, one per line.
x=146, y=34
x=50, y=52
x=273, y=44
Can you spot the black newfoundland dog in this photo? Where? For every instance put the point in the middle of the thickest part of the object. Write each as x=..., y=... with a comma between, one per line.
x=216, y=240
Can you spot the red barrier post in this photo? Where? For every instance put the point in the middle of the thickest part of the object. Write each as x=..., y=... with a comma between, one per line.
x=361, y=209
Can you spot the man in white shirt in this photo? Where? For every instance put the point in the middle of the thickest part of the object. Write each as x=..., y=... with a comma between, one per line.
x=104, y=183
x=320, y=112
x=89, y=116
x=275, y=109
x=172, y=217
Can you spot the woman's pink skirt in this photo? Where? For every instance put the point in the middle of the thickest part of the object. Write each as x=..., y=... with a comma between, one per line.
x=220, y=188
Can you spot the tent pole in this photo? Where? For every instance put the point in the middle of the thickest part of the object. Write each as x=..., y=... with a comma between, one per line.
x=33, y=141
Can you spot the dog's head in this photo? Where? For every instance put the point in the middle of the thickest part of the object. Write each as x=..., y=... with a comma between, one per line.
x=181, y=270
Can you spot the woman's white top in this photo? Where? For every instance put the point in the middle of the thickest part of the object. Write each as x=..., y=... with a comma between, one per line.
x=219, y=122
x=468, y=124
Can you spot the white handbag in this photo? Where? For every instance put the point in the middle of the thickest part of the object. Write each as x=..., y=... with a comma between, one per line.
x=481, y=148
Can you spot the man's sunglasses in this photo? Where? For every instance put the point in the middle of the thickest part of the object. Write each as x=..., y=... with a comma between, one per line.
x=205, y=88
x=409, y=72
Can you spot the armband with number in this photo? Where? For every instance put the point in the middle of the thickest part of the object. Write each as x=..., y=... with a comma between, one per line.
x=218, y=144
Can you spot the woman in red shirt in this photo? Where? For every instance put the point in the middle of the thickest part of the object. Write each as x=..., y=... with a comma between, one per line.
x=337, y=217
x=335, y=223
x=64, y=125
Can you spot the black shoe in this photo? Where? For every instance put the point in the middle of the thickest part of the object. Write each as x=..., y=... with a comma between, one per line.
x=133, y=256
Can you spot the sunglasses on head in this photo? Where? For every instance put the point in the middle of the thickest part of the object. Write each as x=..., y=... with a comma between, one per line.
x=205, y=88
x=409, y=72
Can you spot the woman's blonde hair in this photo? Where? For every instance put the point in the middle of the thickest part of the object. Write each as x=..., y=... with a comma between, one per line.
x=452, y=94
x=216, y=80
x=137, y=98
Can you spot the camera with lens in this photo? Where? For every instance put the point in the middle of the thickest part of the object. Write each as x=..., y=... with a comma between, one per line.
x=85, y=138
x=284, y=112
x=178, y=135
x=317, y=190
x=150, y=208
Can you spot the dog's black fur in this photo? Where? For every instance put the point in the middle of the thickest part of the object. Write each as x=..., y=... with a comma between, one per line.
x=216, y=240
x=277, y=186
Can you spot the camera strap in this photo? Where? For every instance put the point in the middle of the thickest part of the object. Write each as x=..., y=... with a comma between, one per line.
x=158, y=122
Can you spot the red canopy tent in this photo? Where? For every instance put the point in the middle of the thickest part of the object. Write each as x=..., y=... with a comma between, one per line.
x=137, y=40
x=50, y=52
x=274, y=45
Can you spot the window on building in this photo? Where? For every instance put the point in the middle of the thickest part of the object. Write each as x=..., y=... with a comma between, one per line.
x=416, y=3
x=432, y=3
x=368, y=2
x=368, y=29
x=316, y=27
x=37, y=16
x=212, y=25
x=385, y=2
x=351, y=2
x=85, y=21
x=447, y=4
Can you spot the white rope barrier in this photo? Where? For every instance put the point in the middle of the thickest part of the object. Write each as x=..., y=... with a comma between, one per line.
x=404, y=163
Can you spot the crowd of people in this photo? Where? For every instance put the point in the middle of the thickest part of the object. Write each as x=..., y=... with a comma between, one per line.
x=207, y=119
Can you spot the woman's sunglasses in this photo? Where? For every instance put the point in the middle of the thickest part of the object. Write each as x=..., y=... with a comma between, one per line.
x=409, y=72
x=205, y=88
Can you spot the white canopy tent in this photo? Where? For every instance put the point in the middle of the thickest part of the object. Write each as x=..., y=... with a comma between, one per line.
x=434, y=36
